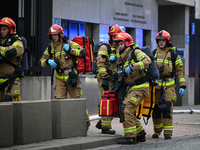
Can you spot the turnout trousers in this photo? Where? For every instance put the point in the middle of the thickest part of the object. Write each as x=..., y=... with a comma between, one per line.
x=164, y=120
x=132, y=126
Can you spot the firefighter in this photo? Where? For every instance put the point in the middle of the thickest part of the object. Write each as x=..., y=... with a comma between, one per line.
x=58, y=56
x=11, y=52
x=137, y=89
x=106, y=63
x=169, y=63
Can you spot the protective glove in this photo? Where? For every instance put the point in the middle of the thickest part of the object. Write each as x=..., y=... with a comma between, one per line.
x=66, y=47
x=52, y=63
x=113, y=58
x=105, y=84
x=128, y=70
x=181, y=91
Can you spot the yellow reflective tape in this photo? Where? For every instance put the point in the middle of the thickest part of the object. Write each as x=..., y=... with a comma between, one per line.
x=46, y=53
x=126, y=63
x=158, y=125
x=118, y=55
x=104, y=122
x=63, y=52
x=86, y=111
x=101, y=108
x=103, y=53
x=112, y=54
x=61, y=77
x=132, y=61
x=141, y=65
x=140, y=56
x=182, y=80
x=140, y=128
x=74, y=46
x=101, y=70
x=134, y=99
x=17, y=92
x=175, y=97
x=52, y=51
x=4, y=80
x=169, y=128
x=140, y=86
x=167, y=84
x=112, y=48
x=77, y=53
x=172, y=48
x=161, y=61
x=107, y=107
x=42, y=62
x=81, y=93
x=130, y=129
x=179, y=61
x=3, y=51
x=135, y=46
x=17, y=43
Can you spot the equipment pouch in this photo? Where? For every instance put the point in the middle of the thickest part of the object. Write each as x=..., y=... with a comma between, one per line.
x=72, y=80
x=162, y=103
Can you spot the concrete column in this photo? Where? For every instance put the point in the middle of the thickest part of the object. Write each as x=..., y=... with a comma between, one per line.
x=32, y=121
x=197, y=9
x=6, y=124
x=68, y=118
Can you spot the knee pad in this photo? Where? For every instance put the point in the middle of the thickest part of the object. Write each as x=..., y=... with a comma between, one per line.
x=167, y=114
x=156, y=112
x=8, y=98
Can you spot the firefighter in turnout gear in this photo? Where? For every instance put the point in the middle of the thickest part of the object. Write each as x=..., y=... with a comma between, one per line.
x=169, y=64
x=59, y=56
x=105, y=63
x=138, y=88
x=11, y=52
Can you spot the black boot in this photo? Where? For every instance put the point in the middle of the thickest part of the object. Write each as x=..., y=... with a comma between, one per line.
x=88, y=125
x=167, y=136
x=98, y=125
x=108, y=131
x=141, y=137
x=155, y=135
x=127, y=140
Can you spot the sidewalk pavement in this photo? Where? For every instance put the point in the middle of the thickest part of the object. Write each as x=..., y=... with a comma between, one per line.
x=185, y=124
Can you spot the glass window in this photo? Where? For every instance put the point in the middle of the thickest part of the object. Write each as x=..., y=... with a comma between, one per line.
x=65, y=26
x=81, y=29
x=73, y=28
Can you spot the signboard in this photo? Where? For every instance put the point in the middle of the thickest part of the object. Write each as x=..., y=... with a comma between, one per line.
x=193, y=28
x=57, y=21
